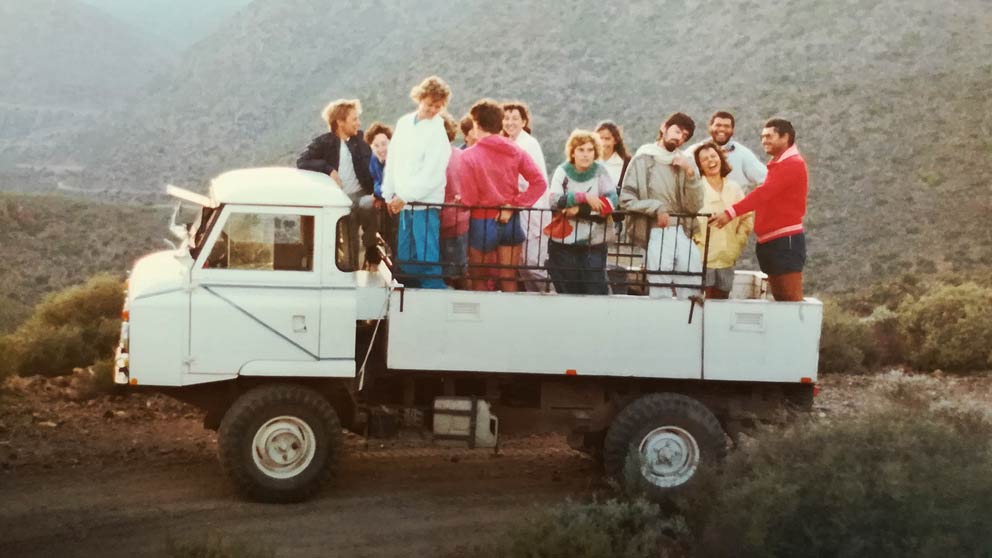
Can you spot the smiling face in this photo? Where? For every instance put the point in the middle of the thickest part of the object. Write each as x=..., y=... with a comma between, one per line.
x=584, y=155
x=380, y=146
x=721, y=130
x=349, y=126
x=513, y=123
x=774, y=143
x=710, y=162
x=429, y=107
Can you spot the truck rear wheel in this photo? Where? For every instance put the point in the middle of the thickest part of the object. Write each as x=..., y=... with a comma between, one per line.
x=659, y=441
x=280, y=443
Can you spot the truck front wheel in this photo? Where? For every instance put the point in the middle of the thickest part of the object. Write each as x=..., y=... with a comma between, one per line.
x=659, y=442
x=280, y=443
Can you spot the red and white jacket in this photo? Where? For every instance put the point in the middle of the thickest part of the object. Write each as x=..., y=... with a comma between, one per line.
x=779, y=204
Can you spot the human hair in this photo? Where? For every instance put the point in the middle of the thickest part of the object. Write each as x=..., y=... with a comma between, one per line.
x=450, y=126
x=489, y=114
x=725, y=167
x=680, y=119
x=582, y=137
x=618, y=146
x=375, y=129
x=338, y=110
x=466, y=125
x=724, y=114
x=433, y=87
x=782, y=126
x=520, y=107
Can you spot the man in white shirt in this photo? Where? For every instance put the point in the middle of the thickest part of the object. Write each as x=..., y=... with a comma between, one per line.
x=418, y=159
x=747, y=169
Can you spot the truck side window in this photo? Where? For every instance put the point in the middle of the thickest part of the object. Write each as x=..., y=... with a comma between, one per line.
x=264, y=242
x=344, y=254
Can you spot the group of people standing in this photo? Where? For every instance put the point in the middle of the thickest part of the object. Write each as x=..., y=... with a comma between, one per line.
x=484, y=215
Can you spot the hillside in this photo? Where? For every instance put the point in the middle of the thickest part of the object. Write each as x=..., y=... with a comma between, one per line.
x=48, y=243
x=176, y=23
x=890, y=99
x=61, y=64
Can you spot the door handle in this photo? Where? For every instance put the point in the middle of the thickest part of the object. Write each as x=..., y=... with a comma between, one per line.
x=299, y=324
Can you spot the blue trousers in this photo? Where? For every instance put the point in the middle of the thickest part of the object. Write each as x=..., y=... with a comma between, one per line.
x=418, y=240
x=577, y=269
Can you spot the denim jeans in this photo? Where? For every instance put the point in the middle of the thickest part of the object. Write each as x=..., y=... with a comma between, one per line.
x=577, y=269
x=418, y=240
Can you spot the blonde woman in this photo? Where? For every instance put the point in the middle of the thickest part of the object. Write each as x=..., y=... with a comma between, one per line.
x=585, y=193
x=726, y=243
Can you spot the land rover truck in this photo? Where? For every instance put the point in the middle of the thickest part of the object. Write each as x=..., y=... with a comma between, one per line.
x=261, y=317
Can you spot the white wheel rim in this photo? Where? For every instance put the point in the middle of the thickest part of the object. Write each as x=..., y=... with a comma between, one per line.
x=669, y=456
x=283, y=447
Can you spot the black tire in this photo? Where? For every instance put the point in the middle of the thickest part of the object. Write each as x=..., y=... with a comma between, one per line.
x=671, y=420
x=286, y=412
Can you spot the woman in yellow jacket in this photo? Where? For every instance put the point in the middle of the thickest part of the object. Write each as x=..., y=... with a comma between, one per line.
x=727, y=243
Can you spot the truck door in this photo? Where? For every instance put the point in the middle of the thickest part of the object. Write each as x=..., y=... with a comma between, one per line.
x=256, y=295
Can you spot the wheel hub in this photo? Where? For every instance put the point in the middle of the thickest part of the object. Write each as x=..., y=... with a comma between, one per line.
x=283, y=447
x=669, y=456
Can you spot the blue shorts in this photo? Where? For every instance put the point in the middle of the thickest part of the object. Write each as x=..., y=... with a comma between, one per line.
x=485, y=235
x=782, y=255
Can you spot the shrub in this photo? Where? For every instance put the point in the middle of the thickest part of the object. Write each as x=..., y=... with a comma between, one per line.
x=847, y=342
x=949, y=328
x=903, y=481
x=72, y=328
x=622, y=528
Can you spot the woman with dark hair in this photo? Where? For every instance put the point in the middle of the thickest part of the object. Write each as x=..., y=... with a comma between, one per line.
x=615, y=156
x=726, y=243
x=516, y=127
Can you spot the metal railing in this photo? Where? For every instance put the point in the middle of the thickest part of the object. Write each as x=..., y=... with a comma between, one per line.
x=434, y=245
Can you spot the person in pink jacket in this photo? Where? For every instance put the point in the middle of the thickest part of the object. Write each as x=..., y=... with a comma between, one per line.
x=488, y=180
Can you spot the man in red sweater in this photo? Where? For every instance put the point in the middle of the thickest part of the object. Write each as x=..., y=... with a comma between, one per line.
x=779, y=205
x=488, y=180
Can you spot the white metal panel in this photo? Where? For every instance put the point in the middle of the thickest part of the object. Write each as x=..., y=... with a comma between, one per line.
x=158, y=337
x=545, y=334
x=233, y=325
x=761, y=341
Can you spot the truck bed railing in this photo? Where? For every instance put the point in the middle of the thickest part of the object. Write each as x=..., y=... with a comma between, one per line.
x=587, y=252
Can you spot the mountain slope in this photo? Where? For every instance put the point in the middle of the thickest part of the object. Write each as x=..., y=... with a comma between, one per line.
x=889, y=98
x=176, y=23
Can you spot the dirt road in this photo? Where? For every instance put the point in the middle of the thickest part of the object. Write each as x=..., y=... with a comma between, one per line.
x=119, y=476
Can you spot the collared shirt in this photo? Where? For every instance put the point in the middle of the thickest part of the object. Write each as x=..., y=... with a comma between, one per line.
x=614, y=165
x=746, y=169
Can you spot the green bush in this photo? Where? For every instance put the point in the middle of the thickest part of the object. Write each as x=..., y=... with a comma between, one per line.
x=906, y=481
x=949, y=328
x=621, y=528
x=847, y=343
x=72, y=328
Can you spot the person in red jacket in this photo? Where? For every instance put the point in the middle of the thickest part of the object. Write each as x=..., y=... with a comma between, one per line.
x=779, y=205
x=488, y=180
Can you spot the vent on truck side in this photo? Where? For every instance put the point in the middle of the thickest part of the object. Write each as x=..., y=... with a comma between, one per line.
x=748, y=321
x=464, y=311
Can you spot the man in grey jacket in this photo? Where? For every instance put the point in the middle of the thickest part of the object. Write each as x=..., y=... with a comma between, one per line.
x=660, y=181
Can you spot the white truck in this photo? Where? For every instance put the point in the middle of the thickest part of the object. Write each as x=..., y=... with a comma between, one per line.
x=260, y=318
